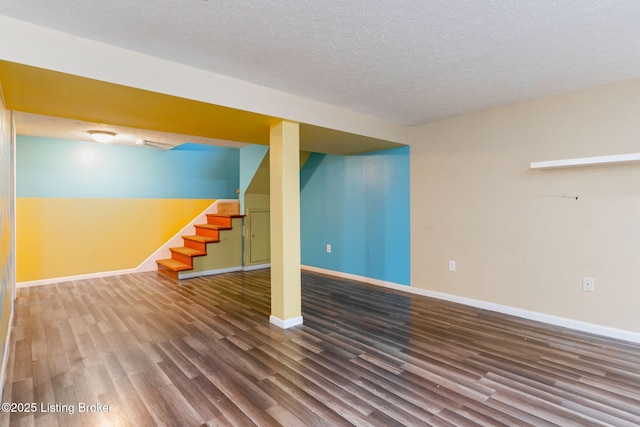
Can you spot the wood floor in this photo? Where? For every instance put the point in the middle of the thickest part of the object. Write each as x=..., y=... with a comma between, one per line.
x=201, y=351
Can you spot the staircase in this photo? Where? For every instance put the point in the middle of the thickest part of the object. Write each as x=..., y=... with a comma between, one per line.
x=184, y=258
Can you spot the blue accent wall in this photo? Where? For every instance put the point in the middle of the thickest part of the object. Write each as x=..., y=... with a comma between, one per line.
x=49, y=167
x=360, y=205
x=250, y=158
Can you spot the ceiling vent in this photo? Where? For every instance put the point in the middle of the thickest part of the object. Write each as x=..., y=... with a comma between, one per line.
x=157, y=145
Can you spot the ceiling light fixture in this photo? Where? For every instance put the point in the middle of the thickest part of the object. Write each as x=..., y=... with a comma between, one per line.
x=102, y=135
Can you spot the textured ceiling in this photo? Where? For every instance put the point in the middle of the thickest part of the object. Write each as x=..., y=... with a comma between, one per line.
x=406, y=61
x=77, y=130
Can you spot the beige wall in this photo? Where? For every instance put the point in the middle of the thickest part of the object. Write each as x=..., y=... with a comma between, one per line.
x=519, y=236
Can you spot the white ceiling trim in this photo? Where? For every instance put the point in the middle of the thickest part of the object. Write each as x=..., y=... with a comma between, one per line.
x=54, y=50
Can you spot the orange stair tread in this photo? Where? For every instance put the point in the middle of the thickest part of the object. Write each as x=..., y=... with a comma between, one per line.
x=188, y=251
x=203, y=239
x=213, y=226
x=174, y=265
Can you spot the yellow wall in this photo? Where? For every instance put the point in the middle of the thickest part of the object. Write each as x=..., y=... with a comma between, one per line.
x=60, y=237
x=519, y=236
x=7, y=251
x=284, y=158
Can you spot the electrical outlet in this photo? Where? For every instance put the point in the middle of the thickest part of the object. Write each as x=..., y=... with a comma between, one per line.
x=588, y=284
x=328, y=248
x=452, y=266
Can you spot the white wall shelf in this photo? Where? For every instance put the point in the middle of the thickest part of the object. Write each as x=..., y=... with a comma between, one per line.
x=586, y=161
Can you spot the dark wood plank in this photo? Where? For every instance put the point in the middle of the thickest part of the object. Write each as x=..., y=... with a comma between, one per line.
x=159, y=351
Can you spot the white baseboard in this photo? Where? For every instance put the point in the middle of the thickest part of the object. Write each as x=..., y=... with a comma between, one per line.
x=564, y=322
x=192, y=274
x=357, y=278
x=132, y=271
x=284, y=324
x=5, y=359
x=78, y=277
x=255, y=267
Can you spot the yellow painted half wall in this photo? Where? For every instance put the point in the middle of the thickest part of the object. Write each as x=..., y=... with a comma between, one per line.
x=61, y=237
